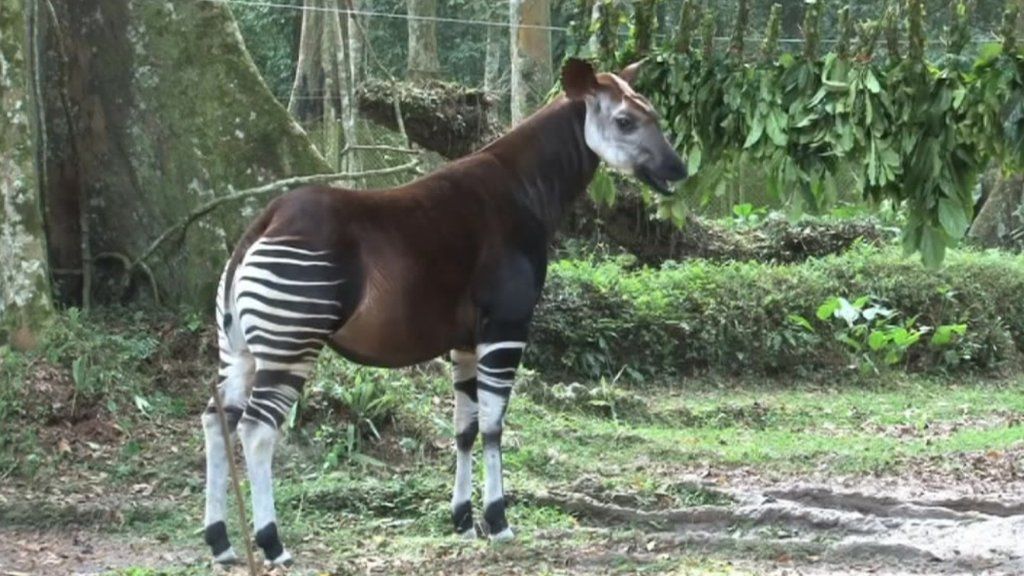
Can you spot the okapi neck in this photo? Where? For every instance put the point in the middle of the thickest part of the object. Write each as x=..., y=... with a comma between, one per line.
x=550, y=159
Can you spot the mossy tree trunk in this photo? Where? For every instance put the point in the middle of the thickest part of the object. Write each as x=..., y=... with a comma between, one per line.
x=530, y=46
x=153, y=109
x=423, y=62
x=25, y=297
x=352, y=75
x=1000, y=220
x=492, y=60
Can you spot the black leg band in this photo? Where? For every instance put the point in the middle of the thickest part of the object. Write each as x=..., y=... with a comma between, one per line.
x=462, y=516
x=270, y=543
x=216, y=536
x=494, y=516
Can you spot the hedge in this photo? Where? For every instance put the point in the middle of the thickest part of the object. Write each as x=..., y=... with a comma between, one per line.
x=599, y=317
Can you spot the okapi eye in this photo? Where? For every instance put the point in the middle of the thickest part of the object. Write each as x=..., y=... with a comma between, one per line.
x=625, y=124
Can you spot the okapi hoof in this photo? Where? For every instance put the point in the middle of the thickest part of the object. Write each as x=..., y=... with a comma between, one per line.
x=468, y=534
x=283, y=560
x=226, y=558
x=505, y=535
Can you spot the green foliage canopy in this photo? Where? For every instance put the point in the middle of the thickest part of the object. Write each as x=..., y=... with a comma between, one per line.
x=916, y=130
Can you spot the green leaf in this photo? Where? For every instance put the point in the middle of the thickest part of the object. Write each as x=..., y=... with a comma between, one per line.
x=826, y=310
x=872, y=83
x=80, y=371
x=756, y=130
x=774, y=128
x=952, y=218
x=693, y=159
x=878, y=340
x=933, y=247
x=800, y=321
x=602, y=189
x=944, y=334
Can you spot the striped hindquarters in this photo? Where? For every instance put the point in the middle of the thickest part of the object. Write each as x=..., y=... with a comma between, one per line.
x=288, y=300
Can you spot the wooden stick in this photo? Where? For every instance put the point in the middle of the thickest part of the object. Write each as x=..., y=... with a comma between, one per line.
x=228, y=448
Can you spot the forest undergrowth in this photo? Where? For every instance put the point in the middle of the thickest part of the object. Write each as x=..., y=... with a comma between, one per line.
x=102, y=465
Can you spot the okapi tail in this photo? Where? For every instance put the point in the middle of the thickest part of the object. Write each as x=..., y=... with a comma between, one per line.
x=255, y=230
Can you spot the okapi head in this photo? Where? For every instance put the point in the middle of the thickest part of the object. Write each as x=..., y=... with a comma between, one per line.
x=622, y=126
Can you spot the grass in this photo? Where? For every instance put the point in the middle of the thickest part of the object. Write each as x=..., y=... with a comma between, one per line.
x=399, y=511
x=384, y=501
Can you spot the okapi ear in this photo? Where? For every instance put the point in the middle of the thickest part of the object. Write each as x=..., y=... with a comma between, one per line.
x=630, y=72
x=578, y=78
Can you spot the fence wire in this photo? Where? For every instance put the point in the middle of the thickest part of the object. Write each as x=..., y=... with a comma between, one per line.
x=472, y=47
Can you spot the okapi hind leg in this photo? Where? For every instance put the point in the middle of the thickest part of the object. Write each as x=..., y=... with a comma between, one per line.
x=234, y=379
x=274, y=392
x=217, y=475
x=466, y=430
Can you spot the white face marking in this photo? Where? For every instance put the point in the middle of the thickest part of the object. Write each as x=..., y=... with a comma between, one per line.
x=598, y=132
x=622, y=148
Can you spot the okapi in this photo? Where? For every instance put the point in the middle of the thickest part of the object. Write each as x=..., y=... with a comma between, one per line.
x=452, y=262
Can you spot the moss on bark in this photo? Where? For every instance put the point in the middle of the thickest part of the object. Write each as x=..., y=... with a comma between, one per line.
x=25, y=303
x=166, y=111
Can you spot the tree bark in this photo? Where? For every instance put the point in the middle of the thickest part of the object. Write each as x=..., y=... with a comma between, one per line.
x=530, y=50
x=304, y=102
x=492, y=62
x=1000, y=221
x=25, y=293
x=332, y=57
x=999, y=218
x=352, y=77
x=166, y=112
x=423, y=62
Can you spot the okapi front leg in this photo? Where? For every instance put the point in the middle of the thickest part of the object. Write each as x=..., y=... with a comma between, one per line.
x=496, y=371
x=466, y=430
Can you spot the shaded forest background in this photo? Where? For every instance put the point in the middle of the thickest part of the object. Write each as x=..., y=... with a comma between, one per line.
x=154, y=131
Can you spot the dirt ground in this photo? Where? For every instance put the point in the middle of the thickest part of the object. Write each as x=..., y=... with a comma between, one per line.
x=823, y=525
x=126, y=498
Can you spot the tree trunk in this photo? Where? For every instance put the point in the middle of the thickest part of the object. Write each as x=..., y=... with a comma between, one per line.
x=154, y=109
x=423, y=62
x=351, y=77
x=25, y=294
x=530, y=55
x=492, y=62
x=1000, y=222
x=332, y=57
x=999, y=218
x=304, y=100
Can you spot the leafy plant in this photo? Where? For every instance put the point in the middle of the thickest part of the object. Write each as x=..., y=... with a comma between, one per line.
x=873, y=334
x=597, y=316
x=916, y=131
x=746, y=214
x=350, y=405
x=869, y=331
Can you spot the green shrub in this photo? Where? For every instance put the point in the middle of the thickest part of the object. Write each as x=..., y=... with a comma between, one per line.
x=598, y=317
x=346, y=406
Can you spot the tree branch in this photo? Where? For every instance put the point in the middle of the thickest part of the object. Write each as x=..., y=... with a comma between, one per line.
x=207, y=207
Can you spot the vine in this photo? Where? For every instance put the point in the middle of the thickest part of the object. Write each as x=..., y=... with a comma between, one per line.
x=916, y=133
